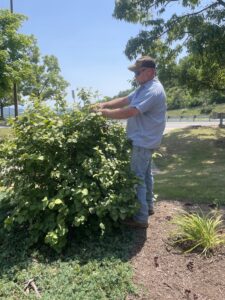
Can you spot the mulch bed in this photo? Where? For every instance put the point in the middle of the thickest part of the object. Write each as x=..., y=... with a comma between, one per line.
x=163, y=272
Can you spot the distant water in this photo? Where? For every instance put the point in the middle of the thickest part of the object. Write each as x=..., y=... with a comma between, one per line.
x=9, y=111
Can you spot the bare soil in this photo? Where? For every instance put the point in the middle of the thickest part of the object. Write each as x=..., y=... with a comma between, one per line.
x=164, y=272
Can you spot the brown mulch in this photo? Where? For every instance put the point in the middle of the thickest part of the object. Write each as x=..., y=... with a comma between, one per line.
x=163, y=272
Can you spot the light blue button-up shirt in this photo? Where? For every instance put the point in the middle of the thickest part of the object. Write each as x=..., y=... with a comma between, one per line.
x=146, y=129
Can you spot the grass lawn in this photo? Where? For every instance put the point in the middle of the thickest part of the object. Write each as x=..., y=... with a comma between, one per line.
x=196, y=111
x=4, y=132
x=193, y=166
x=219, y=108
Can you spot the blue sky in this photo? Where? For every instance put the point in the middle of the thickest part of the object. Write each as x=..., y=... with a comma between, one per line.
x=88, y=42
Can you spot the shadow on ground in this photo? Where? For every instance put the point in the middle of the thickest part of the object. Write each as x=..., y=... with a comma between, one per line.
x=118, y=243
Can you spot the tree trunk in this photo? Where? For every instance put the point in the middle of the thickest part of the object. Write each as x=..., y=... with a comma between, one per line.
x=1, y=111
x=15, y=99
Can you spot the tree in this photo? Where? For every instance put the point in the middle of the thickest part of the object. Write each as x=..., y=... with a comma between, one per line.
x=198, y=26
x=14, y=52
x=177, y=26
x=45, y=81
x=21, y=63
x=204, y=68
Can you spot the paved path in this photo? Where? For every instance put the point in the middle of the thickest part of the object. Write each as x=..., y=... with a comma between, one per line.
x=182, y=124
x=170, y=125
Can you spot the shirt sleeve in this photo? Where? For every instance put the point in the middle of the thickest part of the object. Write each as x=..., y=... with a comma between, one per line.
x=148, y=101
x=130, y=97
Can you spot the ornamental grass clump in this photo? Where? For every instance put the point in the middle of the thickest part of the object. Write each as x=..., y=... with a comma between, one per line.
x=65, y=171
x=202, y=233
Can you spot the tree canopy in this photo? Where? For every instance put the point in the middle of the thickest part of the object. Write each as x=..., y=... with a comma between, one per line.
x=14, y=51
x=181, y=26
x=45, y=81
x=173, y=28
x=21, y=63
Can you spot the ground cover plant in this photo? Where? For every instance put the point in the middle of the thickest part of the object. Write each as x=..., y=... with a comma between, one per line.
x=199, y=232
x=90, y=267
x=192, y=166
x=61, y=172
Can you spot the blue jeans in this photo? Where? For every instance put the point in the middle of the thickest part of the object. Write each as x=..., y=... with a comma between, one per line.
x=141, y=159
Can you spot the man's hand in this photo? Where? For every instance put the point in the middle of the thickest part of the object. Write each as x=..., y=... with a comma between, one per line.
x=105, y=112
x=97, y=106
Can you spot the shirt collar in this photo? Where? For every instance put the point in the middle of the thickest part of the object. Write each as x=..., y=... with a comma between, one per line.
x=149, y=83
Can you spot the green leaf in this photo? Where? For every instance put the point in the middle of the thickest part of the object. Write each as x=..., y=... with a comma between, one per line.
x=41, y=157
x=55, y=202
x=58, y=201
x=102, y=226
x=85, y=192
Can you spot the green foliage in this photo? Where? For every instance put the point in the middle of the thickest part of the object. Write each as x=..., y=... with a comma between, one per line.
x=197, y=26
x=208, y=56
x=45, y=81
x=66, y=171
x=89, y=268
x=197, y=74
x=86, y=95
x=186, y=22
x=14, y=51
x=182, y=97
x=199, y=232
x=20, y=62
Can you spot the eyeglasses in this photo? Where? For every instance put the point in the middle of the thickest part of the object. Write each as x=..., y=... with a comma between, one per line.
x=137, y=73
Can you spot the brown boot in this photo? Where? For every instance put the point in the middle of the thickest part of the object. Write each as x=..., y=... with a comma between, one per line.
x=151, y=212
x=133, y=223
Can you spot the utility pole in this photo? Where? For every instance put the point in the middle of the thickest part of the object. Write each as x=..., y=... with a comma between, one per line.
x=11, y=6
x=15, y=98
x=73, y=96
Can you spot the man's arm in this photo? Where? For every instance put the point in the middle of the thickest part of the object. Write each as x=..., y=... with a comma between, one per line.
x=120, y=113
x=115, y=103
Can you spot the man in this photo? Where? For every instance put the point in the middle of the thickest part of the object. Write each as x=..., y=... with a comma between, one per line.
x=145, y=109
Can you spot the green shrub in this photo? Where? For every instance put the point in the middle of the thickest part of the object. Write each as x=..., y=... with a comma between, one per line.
x=202, y=233
x=64, y=171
